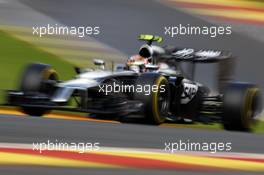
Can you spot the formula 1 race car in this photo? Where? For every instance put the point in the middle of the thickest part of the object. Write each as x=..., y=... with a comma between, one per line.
x=151, y=86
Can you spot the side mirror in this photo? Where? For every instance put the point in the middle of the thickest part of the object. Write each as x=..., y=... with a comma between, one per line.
x=100, y=63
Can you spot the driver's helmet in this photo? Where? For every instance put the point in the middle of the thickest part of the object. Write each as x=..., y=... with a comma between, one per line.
x=137, y=63
x=137, y=59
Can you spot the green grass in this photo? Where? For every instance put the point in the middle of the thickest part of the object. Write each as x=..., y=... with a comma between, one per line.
x=16, y=54
x=259, y=127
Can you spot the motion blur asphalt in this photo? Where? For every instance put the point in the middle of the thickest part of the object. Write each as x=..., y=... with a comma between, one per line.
x=34, y=129
x=121, y=21
x=29, y=130
x=14, y=170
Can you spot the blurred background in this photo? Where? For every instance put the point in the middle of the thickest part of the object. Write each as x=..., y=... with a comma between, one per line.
x=120, y=22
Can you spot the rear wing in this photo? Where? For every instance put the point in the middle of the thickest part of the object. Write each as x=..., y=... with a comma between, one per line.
x=201, y=56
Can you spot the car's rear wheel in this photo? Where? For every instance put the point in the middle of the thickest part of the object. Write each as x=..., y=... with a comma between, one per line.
x=156, y=101
x=38, y=78
x=242, y=102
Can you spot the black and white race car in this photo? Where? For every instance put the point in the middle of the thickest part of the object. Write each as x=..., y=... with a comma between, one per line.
x=151, y=86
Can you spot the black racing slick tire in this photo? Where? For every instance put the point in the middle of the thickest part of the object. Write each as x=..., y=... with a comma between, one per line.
x=241, y=103
x=156, y=102
x=38, y=78
x=35, y=76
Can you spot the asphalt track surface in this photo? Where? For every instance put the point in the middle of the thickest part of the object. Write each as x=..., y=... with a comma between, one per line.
x=33, y=129
x=25, y=129
x=121, y=22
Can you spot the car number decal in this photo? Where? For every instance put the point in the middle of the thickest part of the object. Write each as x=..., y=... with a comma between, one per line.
x=189, y=91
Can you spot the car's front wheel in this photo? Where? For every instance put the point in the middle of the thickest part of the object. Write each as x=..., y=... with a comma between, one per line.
x=38, y=78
